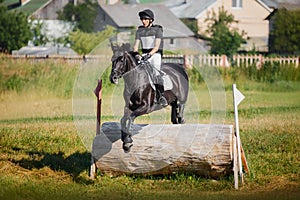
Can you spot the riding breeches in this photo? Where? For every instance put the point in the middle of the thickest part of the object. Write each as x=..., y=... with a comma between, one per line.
x=155, y=60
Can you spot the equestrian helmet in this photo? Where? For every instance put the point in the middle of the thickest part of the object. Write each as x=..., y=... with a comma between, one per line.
x=146, y=14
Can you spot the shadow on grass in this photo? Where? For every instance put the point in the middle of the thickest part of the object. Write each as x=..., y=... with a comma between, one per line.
x=73, y=164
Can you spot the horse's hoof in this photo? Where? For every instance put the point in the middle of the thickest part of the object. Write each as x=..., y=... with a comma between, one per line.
x=127, y=147
x=128, y=139
x=181, y=120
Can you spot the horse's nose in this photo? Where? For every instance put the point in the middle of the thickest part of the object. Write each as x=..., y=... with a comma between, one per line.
x=111, y=79
x=114, y=79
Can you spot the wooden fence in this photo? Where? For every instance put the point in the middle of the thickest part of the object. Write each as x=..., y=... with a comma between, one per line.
x=239, y=60
x=187, y=60
x=75, y=59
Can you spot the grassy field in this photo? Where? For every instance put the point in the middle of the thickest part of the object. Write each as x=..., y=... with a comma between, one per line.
x=42, y=156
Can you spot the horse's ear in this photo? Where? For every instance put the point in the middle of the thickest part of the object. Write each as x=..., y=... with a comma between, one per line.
x=126, y=47
x=114, y=48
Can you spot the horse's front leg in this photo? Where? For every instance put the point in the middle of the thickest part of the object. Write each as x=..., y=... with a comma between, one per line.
x=126, y=129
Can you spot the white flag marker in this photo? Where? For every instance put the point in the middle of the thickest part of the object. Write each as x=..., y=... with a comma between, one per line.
x=237, y=98
x=238, y=95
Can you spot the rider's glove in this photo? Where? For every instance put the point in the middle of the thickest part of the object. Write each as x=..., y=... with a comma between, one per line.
x=138, y=58
x=146, y=57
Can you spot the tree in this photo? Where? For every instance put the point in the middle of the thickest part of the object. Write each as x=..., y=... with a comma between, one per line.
x=191, y=24
x=39, y=39
x=223, y=38
x=14, y=30
x=284, y=37
x=84, y=43
x=83, y=14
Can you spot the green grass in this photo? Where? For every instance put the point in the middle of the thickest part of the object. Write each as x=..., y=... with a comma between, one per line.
x=42, y=157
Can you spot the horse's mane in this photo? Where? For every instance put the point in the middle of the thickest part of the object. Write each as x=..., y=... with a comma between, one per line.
x=133, y=56
x=133, y=53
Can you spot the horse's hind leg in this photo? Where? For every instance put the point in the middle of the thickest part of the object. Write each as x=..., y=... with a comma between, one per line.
x=180, y=117
x=174, y=112
x=177, y=113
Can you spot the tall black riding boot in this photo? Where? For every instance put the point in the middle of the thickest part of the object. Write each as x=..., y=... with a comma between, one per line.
x=160, y=91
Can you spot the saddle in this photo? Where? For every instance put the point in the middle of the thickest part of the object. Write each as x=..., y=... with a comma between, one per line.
x=151, y=71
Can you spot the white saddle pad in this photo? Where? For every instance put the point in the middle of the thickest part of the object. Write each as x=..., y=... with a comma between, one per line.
x=168, y=85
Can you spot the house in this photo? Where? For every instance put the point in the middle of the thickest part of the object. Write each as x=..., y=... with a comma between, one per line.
x=49, y=9
x=124, y=17
x=279, y=4
x=44, y=51
x=44, y=12
x=250, y=14
x=42, y=9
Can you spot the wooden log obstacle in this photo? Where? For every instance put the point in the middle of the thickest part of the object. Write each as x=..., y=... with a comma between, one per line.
x=202, y=149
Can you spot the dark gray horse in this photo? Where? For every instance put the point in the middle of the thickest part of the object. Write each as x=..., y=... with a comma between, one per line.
x=140, y=95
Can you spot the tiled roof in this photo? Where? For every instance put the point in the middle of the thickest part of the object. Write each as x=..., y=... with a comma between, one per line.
x=192, y=8
x=125, y=15
x=279, y=3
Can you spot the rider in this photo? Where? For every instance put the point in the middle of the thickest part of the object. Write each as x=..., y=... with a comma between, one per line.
x=151, y=37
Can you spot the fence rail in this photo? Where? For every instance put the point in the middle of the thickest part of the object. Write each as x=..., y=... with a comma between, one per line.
x=187, y=60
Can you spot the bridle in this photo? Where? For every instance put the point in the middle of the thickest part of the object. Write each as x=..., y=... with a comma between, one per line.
x=119, y=73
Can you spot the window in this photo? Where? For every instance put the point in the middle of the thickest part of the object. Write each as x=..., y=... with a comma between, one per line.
x=172, y=41
x=237, y=3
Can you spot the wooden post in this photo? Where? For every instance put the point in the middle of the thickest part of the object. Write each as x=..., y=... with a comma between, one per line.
x=200, y=60
x=186, y=63
x=235, y=164
x=224, y=61
x=238, y=60
x=98, y=93
x=244, y=161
